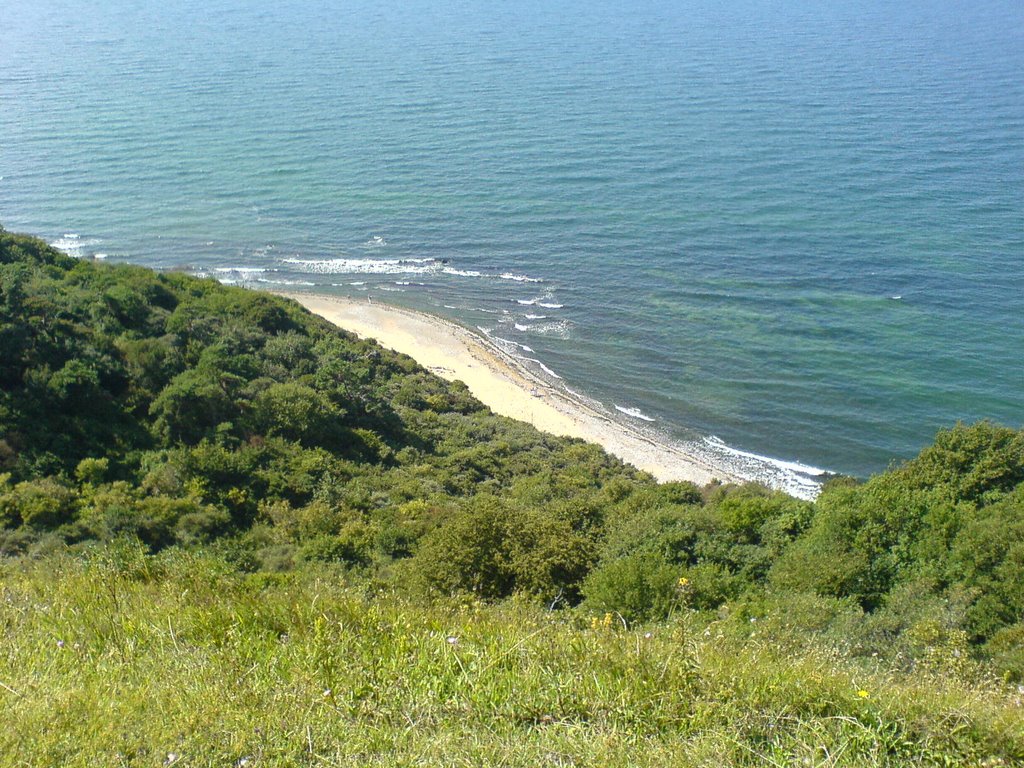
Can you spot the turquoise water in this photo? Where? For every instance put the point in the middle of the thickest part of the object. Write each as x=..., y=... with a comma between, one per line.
x=794, y=226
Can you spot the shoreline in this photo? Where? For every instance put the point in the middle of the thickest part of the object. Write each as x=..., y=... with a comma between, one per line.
x=508, y=388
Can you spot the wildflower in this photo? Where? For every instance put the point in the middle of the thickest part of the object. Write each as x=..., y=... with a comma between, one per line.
x=452, y=639
x=593, y=622
x=327, y=693
x=607, y=621
x=863, y=694
x=684, y=582
x=647, y=635
x=60, y=643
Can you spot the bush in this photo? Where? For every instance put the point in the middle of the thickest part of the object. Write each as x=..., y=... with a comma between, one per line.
x=1006, y=651
x=191, y=406
x=92, y=471
x=200, y=526
x=494, y=550
x=295, y=412
x=466, y=553
x=352, y=545
x=639, y=588
x=987, y=556
x=968, y=462
x=41, y=504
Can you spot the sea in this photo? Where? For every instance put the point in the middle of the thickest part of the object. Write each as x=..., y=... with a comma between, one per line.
x=790, y=234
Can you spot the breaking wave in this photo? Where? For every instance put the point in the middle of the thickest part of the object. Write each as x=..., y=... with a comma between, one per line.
x=636, y=413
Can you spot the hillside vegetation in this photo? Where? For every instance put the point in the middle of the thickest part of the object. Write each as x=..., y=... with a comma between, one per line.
x=234, y=534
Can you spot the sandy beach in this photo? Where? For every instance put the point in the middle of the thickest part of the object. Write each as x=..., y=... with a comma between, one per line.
x=500, y=382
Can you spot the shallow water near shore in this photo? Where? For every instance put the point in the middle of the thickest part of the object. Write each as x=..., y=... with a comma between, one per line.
x=791, y=231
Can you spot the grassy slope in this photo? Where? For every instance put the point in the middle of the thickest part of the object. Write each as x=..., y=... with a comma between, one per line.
x=124, y=659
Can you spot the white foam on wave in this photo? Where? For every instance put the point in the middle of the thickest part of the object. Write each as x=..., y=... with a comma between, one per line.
x=547, y=370
x=268, y=281
x=793, y=477
x=73, y=245
x=100, y=256
x=543, y=367
x=364, y=266
x=535, y=317
x=375, y=242
x=406, y=266
x=510, y=343
x=470, y=309
x=462, y=272
x=242, y=270
x=561, y=329
x=485, y=275
x=789, y=466
x=520, y=327
x=243, y=275
x=636, y=413
x=545, y=301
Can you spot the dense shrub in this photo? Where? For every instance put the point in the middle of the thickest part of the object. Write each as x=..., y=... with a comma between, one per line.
x=637, y=587
x=177, y=412
x=493, y=550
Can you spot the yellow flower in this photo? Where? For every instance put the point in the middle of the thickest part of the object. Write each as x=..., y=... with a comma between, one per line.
x=863, y=694
x=683, y=582
x=607, y=620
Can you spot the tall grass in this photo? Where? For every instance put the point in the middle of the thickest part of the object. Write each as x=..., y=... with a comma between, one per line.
x=123, y=659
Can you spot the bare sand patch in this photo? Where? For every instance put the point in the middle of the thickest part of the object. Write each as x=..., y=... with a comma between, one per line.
x=505, y=386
